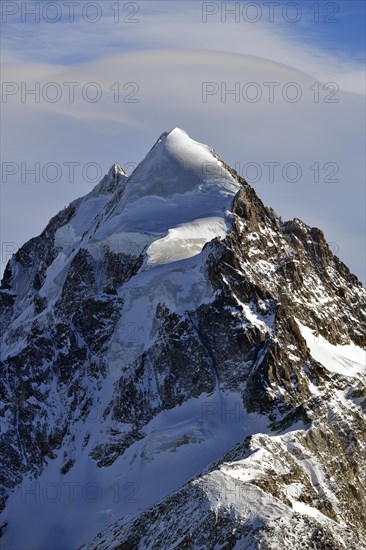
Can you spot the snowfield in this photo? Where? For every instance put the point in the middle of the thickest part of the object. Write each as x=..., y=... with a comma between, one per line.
x=59, y=512
x=348, y=360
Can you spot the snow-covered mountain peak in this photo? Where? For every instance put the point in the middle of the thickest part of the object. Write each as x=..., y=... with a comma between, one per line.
x=177, y=164
x=176, y=137
x=177, y=199
x=175, y=131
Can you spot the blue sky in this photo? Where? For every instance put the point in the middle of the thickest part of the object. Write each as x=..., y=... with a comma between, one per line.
x=334, y=26
x=168, y=53
x=341, y=26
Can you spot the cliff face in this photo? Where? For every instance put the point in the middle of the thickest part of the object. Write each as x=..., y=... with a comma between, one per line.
x=170, y=330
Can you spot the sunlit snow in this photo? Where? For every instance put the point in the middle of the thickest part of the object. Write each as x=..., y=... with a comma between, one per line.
x=348, y=360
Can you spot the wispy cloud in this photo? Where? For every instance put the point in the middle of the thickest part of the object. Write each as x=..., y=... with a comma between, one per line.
x=162, y=25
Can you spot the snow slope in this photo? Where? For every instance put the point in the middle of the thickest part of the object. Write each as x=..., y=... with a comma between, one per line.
x=348, y=360
x=59, y=512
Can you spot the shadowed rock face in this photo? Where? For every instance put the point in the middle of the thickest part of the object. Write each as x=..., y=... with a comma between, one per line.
x=58, y=333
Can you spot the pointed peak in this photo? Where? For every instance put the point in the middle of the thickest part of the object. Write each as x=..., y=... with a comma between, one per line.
x=177, y=164
x=174, y=133
x=116, y=174
x=115, y=170
x=178, y=132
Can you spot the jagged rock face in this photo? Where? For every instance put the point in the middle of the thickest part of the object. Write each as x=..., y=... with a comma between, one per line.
x=45, y=347
x=255, y=498
x=256, y=495
x=136, y=302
